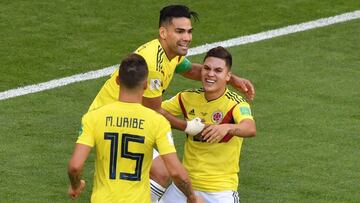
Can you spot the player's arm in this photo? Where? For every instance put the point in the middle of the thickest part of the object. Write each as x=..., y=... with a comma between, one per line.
x=193, y=71
x=155, y=104
x=191, y=127
x=75, y=168
x=215, y=133
x=173, y=107
x=179, y=175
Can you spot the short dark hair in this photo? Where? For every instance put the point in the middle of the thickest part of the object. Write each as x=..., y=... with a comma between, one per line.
x=132, y=71
x=175, y=11
x=220, y=52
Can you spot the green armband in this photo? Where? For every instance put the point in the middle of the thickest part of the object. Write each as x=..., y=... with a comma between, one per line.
x=184, y=66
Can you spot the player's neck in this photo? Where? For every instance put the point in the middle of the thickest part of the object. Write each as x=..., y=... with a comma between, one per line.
x=210, y=96
x=130, y=96
x=167, y=51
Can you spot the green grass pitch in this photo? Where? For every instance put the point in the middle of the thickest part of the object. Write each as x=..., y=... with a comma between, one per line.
x=306, y=108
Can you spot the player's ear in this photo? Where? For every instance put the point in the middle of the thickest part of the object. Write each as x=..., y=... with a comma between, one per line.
x=117, y=80
x=228, y=76
x=162, y=32
x=145, y=84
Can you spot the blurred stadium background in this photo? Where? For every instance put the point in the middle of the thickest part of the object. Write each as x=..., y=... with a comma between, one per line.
x=307, y=91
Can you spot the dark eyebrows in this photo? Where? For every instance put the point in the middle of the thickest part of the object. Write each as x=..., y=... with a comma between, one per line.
x=183, y=30
x=219, y=69
x=215, y=68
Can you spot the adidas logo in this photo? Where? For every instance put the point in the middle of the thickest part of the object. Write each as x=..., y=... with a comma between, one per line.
x=192, y=112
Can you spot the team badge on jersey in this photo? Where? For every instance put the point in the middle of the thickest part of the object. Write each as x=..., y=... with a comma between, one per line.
x=155, y=84
x=81, y=129
x=245, y=111
x=217, y=117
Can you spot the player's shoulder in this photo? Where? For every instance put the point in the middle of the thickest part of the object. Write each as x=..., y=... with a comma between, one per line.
x=151, y=52
x=101, y=109
x=148, y=47
x=193, y=94
x=234, y=97
x=193, y=91
x=94, y=114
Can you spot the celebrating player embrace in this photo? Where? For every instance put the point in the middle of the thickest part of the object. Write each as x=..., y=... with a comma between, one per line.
x=164, y=57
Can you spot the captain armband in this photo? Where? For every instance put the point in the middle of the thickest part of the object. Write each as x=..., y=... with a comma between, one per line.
x=184, y=66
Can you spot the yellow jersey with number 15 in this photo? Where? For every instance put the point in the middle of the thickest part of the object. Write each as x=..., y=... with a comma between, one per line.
x=124, y=135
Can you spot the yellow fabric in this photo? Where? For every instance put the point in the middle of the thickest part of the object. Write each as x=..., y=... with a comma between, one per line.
x=136, y=130
x=211, y=167
x=161, y=71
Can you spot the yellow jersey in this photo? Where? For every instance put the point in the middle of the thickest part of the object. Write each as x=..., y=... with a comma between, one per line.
x=124, y=135
x=161, y=71
x=212, y=167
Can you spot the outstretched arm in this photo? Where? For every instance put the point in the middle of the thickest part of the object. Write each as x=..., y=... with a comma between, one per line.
x=192, y=127
x=155, y=104
x=243, y=85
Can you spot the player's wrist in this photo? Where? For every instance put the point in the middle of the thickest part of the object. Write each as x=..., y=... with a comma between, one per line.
x=75, y=185
x=192, y=198
x=194, y=126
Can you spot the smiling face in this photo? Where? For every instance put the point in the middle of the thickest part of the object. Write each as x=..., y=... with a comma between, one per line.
x=214, y=76
x=175, y=37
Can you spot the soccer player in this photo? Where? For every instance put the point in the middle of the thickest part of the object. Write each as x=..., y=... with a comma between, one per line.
x=212, y=157
x=124, y=134
x=164, y=57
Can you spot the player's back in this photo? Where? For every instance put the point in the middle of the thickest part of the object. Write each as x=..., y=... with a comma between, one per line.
x=124, y=137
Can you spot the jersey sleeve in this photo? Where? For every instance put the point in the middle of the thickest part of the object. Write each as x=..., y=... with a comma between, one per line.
x=154, y=86
x=172, y=105
x=164, y=139
x=86, y=135
x=242, y=111
x=183, y=66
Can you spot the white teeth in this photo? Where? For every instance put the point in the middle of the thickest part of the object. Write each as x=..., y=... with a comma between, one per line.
x=183, y=45
x=210, y=81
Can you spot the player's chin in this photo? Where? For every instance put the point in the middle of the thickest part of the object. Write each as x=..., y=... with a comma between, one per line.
x=182, y=51
x=208, y=88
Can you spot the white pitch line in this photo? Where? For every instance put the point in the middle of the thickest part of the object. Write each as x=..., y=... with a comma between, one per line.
x=193, y=51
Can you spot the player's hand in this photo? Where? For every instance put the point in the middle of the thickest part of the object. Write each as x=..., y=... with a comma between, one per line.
x=214, y=133
x=243, y=85
x=194, y=127
x=75, y=192
x=197, y=199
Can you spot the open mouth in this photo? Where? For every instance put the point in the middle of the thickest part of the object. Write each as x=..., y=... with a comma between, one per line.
x=183, y=45
x=210, y=82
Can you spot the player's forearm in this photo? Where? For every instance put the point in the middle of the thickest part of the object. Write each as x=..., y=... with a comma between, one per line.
x=74, y=176
x=184, y=184
x=195, y=72
x=243, y=129
x=155, y=104
x=244, y=85
x=179, y=175
x=233, y=79
x=174, y=121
